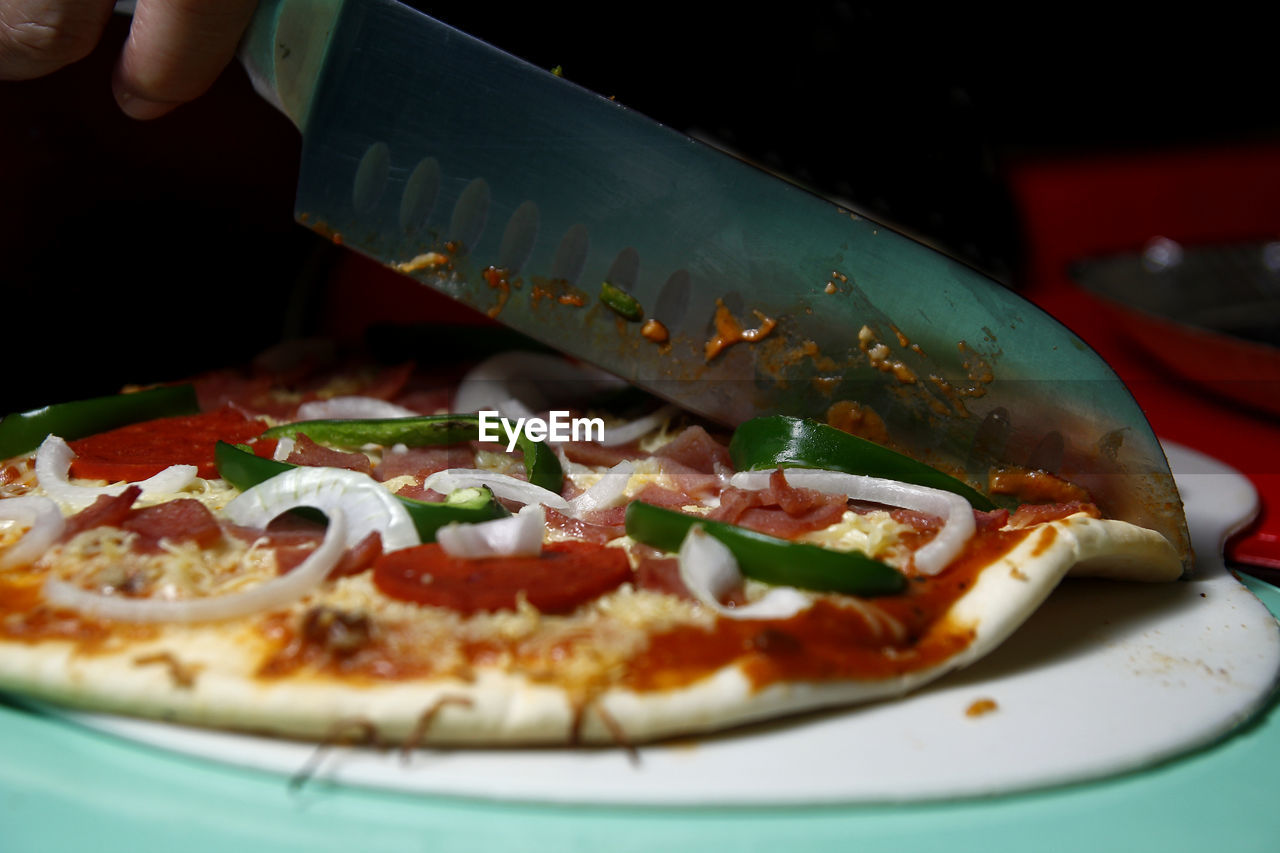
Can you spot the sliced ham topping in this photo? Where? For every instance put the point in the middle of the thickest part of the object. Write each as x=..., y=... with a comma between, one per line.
x=780, y=510
x=695, y=449
x=919, y=521
x=656, y=495
x=661, y=574
x=779, y=523
x=693, y=484
x=182, y=520
x=427, y=401
x=988, y=521
x=418, y=492
x=106, y=511
x=292, y=540
x=221, y=388
x=422, y=462
x=799, y=501
x=277, y=384
x=592, y=453
x=360, y=557
x=923, y=523
x=383, y=383
x=307, y=452
x=1030, y=514
x=597, y=527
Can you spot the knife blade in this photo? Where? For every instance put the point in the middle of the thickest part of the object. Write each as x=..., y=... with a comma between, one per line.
x=530, y=198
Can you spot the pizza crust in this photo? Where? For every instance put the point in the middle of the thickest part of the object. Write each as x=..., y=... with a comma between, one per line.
x=204, y=674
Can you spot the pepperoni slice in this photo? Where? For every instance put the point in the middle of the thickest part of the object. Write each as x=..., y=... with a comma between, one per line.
x=566, y=575
x=142, y=450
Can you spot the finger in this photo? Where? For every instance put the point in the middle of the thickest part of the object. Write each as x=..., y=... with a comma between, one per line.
x=175, y=51
x=38, y=37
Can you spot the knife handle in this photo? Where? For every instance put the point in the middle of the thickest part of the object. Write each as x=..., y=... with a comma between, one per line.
x=283, y=51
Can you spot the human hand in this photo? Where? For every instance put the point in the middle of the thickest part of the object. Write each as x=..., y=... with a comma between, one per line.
x=175, y=50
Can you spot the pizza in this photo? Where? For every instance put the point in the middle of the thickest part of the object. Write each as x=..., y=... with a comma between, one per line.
x=516, y=552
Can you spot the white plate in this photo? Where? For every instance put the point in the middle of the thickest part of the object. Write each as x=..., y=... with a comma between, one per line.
x=1104, y=678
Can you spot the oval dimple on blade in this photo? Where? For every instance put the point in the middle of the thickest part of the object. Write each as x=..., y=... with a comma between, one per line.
x=419, y=196
x=469, y=215
x=571, y=255
x=672, y=304
x=991, y=437
x=624, y=272
x=518, y=238
x=1049, y=453
x=371, y=177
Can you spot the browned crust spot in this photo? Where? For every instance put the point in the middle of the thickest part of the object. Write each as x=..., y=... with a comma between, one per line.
x=182, y=675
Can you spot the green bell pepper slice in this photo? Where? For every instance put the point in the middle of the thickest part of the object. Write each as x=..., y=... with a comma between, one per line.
x=242, y=469
x=767, y=558
x=620, y=302
x=23, y=432
x=541, y=465
x=787, y=442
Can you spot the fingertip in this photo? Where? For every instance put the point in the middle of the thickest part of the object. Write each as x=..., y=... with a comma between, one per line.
x=141, y=108
x=175, y=51
x=137, y=106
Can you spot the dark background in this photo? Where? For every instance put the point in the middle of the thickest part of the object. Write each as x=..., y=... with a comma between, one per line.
x=147, y=251
x=912, y=112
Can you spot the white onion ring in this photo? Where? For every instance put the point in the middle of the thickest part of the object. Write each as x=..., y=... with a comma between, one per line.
x=502, y=485
x=535, y=380
x=958, y=525
x=638, y=428
x=352, y=407
x=517, y=536
x=366, y=505
x=273, y=594
x=44, y=525
x=709, y=571
x=53, y=462
x=609, y=491
x=513, y=410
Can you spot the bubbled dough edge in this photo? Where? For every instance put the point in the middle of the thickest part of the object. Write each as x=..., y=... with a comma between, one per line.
x=501, y=709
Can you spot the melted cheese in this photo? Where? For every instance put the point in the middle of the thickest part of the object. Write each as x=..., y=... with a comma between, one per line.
x=875, y=534
x=104, y=558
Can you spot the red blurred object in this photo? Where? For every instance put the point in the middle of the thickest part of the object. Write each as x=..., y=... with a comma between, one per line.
x=1086, y=206
x=363, y=293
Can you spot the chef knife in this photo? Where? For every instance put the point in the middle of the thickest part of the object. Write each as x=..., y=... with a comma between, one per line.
x=675, y=266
